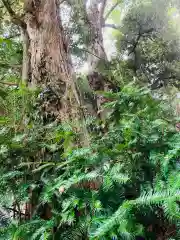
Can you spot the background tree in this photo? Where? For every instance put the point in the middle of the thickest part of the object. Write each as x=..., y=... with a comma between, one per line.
x=151, y=43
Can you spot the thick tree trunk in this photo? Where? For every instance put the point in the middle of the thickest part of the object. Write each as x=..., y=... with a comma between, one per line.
x=50, y=67
x=50, y=63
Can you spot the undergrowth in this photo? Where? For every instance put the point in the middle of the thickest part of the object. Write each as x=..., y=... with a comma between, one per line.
x=125, y=185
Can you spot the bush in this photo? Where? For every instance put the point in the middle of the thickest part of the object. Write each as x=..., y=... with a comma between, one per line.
x=123, y=186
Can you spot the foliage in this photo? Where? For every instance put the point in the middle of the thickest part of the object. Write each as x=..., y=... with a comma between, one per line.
x=125, y=184
x=10, y=59
x=104, y=191
x=149, y=44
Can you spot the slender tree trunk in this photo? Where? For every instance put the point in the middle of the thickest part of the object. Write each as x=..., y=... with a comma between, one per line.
x=92, y=13
x=95, y=20
x=26, y=57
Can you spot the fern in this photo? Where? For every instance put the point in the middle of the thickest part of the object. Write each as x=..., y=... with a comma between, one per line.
x=103, y=191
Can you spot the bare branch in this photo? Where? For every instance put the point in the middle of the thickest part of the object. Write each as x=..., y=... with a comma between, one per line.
x=111, y=9
x=86, y=50
x=9, y=83
x=109, y=25
x=16, y=19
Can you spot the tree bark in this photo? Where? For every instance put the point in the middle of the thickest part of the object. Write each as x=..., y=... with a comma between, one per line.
x=97, y=81
x=26, y=57
x=50, y=62
x=92, y=14
x=95, y=12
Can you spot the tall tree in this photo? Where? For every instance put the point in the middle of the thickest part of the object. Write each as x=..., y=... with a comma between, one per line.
x=47, y=62
x=149, y=43
x=91, y=16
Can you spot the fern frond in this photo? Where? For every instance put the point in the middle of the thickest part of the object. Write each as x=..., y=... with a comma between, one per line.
x=171, y=210
x=118, y=217
x=148, y=199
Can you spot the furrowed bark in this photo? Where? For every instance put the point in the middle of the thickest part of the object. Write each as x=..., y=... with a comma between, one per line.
x=46, y=59
x=47, y=64
x=50, y=63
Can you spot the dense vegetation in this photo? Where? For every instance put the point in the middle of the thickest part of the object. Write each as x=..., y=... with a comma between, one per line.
x=112, y=172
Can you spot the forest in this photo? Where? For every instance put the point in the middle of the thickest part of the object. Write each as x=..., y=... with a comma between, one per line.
x=89, y=119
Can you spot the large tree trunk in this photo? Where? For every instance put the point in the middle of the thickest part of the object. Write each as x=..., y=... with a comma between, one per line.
x=51, y=68
x=50, y=63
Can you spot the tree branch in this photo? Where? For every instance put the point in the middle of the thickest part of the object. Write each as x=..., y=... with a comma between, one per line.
x=86, y=50
x=15, y=18
x=11, y=36
x=111, y=9
x=140, y=35
x=9, y=83
x=109, y=25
